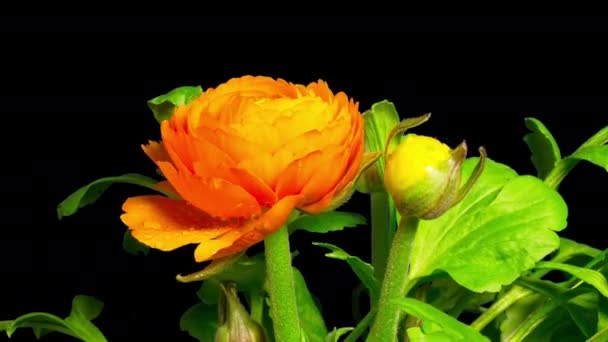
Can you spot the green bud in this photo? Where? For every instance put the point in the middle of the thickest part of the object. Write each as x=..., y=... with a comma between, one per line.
x=235, y=324
x=423, y=175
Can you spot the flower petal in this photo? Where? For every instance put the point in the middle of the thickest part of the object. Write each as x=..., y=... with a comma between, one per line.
x=254, y=185
x=165, y=186
x=155, y=151
x=167, y=224
x=328, y=173
x=292, y=180
x=215, y=196
x=237, y=147
x=250, y=234
x=353, y=163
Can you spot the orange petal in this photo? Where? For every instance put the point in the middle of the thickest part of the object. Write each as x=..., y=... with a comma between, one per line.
x=237, y=147
x=293, y=179
x=215, y=196
x=165, y=186
x=268, y=166
x=353, y=164
x=246, y=180
x=167, y=224
x=210, y=160
x=258, y=229
x=179, y=147
x=155, y=151
x=327, y=173
x=254, y=185
x=254, y=86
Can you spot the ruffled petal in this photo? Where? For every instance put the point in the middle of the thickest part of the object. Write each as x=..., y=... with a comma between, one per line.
x=155, y=151
x=166, y=187
x=353, y=163
x=292, y=180
x=167, y=224
x=252, y=233
x=215, y=196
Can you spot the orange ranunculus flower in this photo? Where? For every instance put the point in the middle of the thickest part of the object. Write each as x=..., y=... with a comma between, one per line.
x=242, y=156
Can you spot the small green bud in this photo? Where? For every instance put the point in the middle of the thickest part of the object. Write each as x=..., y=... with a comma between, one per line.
x=235, y=324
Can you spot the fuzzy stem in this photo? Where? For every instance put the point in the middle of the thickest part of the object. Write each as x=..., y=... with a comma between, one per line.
x=281, y=287
x=395, y=283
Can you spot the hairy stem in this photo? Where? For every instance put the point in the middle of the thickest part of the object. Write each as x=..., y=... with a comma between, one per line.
x=395, y=283
x=281, y=287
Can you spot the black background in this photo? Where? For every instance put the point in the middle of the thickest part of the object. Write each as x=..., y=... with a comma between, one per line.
x=74, y=110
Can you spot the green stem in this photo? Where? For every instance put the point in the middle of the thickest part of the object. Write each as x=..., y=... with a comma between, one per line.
x=382, y=231
x=257, y=306
x=503, y=303
x=281, y=287
x=361, y=327
x=564, y=166
x=395, y=283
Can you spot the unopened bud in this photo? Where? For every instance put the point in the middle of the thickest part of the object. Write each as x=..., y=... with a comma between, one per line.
x=423, y=176
x=235, y=324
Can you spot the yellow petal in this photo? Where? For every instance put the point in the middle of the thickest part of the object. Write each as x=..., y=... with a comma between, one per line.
x=166, y=224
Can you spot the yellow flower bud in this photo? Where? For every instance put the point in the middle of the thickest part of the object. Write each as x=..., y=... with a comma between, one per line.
x=423, y=175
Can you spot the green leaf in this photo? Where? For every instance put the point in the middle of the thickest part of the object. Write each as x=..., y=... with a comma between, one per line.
x=327, y=222
x=334, y=335
x=163, y=106
x=597, y=155
x=91, y=192
x=457, y=330
x=248, y=273
x=592, y=277
x=213, y=269
x=582, y=309
x=602, y=314
x=132, y=246
x=502, y=227
x=537, y=318
x=416, y=334
x=311, y=319
x=514, y=316
x=451, y=297
x=556, y=328
x=545, y=152
x=77, y=324
x=40, y=322
x=200, y=321
x=267, y=321
x=379, y=121
x=547, y=288
x=363, y=270
x=601, y=336
x=570, y=248
x=85, y=309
